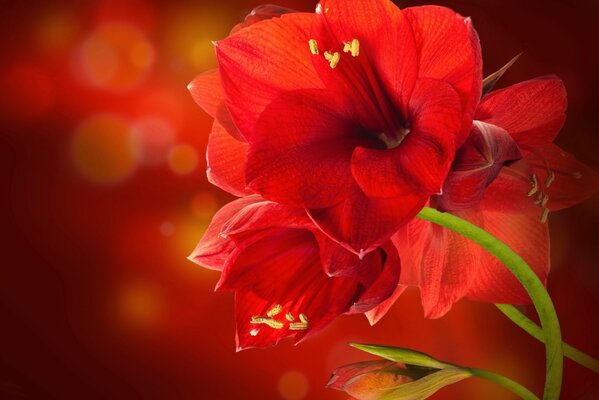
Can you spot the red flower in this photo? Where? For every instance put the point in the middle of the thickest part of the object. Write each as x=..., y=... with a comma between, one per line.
x=288, y=278
x=510, y=200
x=353, y=113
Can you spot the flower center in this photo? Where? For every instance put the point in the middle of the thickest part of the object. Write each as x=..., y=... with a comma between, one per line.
x=384, y=123
x=270, y=320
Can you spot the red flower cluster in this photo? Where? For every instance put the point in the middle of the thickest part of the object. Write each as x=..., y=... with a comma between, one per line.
x=335, y=128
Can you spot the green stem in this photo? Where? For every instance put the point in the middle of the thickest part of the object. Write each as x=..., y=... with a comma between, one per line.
x=507, y=383
x=528, y=279
x=535, y=331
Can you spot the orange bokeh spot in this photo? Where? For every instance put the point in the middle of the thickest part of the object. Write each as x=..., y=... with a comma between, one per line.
x=293, y=385
x=183, y=159
x=140, y=304
x=102, y=149
x=116, y=56
x=204, y=205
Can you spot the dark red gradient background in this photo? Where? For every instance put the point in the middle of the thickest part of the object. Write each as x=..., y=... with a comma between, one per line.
x=97, y=299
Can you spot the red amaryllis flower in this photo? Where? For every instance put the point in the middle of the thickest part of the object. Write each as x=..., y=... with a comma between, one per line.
x=288, y=278
x=520, y=121
x=353, y=113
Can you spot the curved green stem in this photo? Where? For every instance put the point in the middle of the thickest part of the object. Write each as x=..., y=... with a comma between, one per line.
x=507, y=383
x=528, y=279
x=535, y=331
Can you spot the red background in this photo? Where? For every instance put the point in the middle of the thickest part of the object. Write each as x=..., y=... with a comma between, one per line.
x=97, y=299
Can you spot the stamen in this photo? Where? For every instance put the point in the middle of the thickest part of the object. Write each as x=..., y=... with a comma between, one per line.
x=535, y=185
x=544, y=201
x=550, y=179
x=355, y=48
x=352, y=47
x=333, y=59
x=313, y=46
x=298, y=326
x=539, y=198
x=544, y=215
x=273, y=323
x=274, y=311
x=290, y=317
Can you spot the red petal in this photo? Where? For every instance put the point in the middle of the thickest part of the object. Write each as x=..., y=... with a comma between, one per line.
x=263, y=214
x=361, y=224
x=261, y=13
x=384, y=283
x=262, y=61
x=387, y=62
x=573, y=181
x=226, y=158
x=477, y=164
x=338, y=261
x=422, y=160
x=524, y=233
x=214, y=248
x=301, y=155
x=532, y=112
x=283, y=269
x=449, y=50
x=441, y=262
x=207, y=91
x=381, y=310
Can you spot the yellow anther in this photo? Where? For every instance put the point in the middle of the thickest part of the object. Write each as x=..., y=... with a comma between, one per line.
x=355, y=48
x=313, y=46
x=335, y=60
x=273, y=323
x=352, y=47
x=274, y=311
x=550, y=179
x=534, y=185
x=544, y=201
x=290, y=317
x=539, y=198
x=303, y=318
x=544, y=215
x=298, y=326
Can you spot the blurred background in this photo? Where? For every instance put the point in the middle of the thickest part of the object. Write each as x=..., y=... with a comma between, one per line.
x=103, y=195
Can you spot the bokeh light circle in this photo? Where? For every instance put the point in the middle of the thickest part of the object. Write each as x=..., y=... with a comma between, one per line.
x=154, y=137
x=183, y=159
x=141, y=304
x=116, y=56
x=293, y=385
x=102, y=149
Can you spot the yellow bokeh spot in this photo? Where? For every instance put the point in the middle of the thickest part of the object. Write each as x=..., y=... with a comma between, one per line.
x=102, y=149
x=204, y=205
x=293, y=385
x=183, y=159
